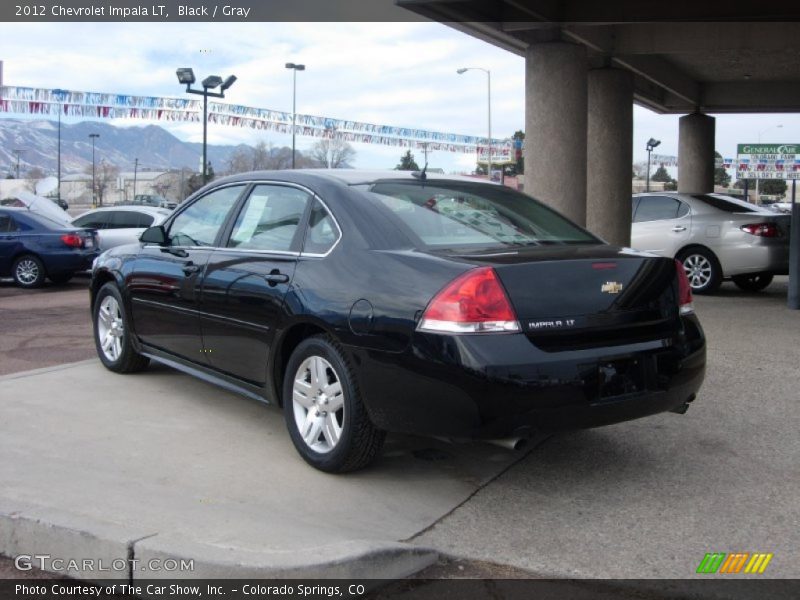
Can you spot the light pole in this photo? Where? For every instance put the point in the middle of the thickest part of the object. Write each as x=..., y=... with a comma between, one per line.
x=295, y=68
x=94, y=136
x=60, y=93
x=760, y=133
x=186, y=76
x=18, y=151
x=135, y=172
x=489, y=112
x=651, y=143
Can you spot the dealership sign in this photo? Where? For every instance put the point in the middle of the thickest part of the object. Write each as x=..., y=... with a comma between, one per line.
x=768, y=161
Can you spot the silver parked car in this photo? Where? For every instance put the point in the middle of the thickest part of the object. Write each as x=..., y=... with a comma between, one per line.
x=117, y=225
x=716, y=237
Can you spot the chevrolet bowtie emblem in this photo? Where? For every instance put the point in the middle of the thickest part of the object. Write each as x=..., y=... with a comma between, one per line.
x=611, y=287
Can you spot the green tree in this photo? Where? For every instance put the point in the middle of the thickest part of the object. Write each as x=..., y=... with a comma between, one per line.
x=661, y=174
x=770, y=187
x=407, y=162
x=721, y=176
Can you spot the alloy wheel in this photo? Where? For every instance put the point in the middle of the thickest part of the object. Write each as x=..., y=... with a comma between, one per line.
x=698, y=269
x=318, y=403
x=110, y=328
x=27, y=271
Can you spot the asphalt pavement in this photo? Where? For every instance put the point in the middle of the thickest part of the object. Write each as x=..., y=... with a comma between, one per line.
x=159, y=465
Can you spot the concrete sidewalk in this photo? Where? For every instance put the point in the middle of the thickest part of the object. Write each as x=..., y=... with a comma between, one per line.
x=161, y=465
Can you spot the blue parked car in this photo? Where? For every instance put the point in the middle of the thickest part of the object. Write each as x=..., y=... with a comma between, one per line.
x=33, y=247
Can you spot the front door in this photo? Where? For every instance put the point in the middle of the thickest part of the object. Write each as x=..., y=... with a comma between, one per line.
x=165, y=285
x=661, y=225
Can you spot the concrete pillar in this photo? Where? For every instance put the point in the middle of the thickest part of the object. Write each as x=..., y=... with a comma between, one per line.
x=696, y=154
x=555, y=126
x=610, y=153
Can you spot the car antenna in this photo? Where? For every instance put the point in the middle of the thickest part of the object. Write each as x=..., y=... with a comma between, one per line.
x=421, y=175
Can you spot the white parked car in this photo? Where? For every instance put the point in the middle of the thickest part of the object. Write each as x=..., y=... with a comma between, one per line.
x=716, y=237
x=118, y=225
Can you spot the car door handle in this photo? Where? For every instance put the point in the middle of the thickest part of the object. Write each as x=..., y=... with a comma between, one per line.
x=276, y=277
x=678, y=228
x=190, y=268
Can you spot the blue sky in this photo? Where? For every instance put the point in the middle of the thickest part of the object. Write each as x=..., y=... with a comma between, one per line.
x=400, y=74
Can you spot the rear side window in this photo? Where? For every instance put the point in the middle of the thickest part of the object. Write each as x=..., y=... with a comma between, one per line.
x=269, y=219
x=128, y=219
x=98, y=220
x=7, y=224
x=451, y=214
x=322, y=231
x=659, y=208
x=200, y=223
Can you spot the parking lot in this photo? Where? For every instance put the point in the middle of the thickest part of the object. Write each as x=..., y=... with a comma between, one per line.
x=171, y=466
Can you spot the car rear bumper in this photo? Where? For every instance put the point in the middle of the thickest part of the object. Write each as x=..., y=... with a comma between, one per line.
x=70, y=261
x=770, y=257
x=495, y=386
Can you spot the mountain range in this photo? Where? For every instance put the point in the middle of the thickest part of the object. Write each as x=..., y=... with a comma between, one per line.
x=36, y=143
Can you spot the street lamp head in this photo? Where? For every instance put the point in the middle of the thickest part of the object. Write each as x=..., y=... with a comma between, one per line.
x=212, y=81
x=462, y=71
x=94, y=135
x=296, y=67
x=185, y=76
x=228, y=82
x=652, y=143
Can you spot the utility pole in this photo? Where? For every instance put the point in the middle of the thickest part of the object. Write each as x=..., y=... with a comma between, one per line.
x=135, y=170
x=17, y=152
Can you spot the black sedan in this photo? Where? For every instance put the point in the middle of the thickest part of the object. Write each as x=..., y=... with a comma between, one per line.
x=34, y=247
x=370, y=302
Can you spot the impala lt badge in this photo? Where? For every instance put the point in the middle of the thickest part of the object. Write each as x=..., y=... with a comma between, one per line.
x=611, y=287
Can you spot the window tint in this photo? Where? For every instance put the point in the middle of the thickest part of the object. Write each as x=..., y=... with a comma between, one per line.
x=269, y=219
x=96, y=220
x=683, y=209
x=7, y=224
x=451, y=214
x=200, y=223
x=127, y=219
x=322, y=232
x=656, y=208
x=634, y=202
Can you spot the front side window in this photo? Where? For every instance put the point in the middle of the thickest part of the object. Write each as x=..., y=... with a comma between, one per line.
x=128, y=219
x=200, y=223
x=269, y=219
x=451, y=214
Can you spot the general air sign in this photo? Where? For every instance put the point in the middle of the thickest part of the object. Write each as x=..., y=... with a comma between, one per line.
x=768, y=161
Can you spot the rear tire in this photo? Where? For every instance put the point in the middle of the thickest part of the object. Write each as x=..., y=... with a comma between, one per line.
x=703, y=270
x=322, y=405
x=112, y=333
x=28, y=271
x=753, y=283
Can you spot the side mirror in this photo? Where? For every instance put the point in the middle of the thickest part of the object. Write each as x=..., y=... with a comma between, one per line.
x=154, y=235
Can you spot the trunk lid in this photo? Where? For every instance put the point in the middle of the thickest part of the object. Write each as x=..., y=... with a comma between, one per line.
x=578, y=296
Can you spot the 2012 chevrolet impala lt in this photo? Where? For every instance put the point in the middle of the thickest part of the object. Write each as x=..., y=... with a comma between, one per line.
x=366, y=302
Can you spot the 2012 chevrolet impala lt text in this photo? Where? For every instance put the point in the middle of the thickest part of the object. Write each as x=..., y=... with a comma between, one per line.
x=366, y=302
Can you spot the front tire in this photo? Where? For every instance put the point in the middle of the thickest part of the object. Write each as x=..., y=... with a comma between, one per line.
x=112, y=335
x=752, y=283
x=322, y=405
x=29, y=271
x=702, y=269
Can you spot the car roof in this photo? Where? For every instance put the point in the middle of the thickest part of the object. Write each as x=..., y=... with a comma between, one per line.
x=345, y=176
x=150, y=210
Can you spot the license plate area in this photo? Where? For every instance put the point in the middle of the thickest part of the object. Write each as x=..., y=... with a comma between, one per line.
x=616, y=378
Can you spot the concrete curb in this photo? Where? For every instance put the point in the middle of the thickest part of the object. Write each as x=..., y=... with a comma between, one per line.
x=124, y=552
x=41, y=370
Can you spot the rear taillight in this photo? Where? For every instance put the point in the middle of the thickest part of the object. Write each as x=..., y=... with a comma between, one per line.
x=474, y=302
x=769, y=230
x=684, y=290
x=72, y=240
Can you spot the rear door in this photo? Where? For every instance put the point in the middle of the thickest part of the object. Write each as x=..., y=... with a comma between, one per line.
x=247, y=279
x=9, y=238
x=164, y=285
x=661, y=224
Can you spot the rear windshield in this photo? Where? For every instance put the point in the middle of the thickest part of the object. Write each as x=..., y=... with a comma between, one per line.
x=731, y=205
x=447, y=214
